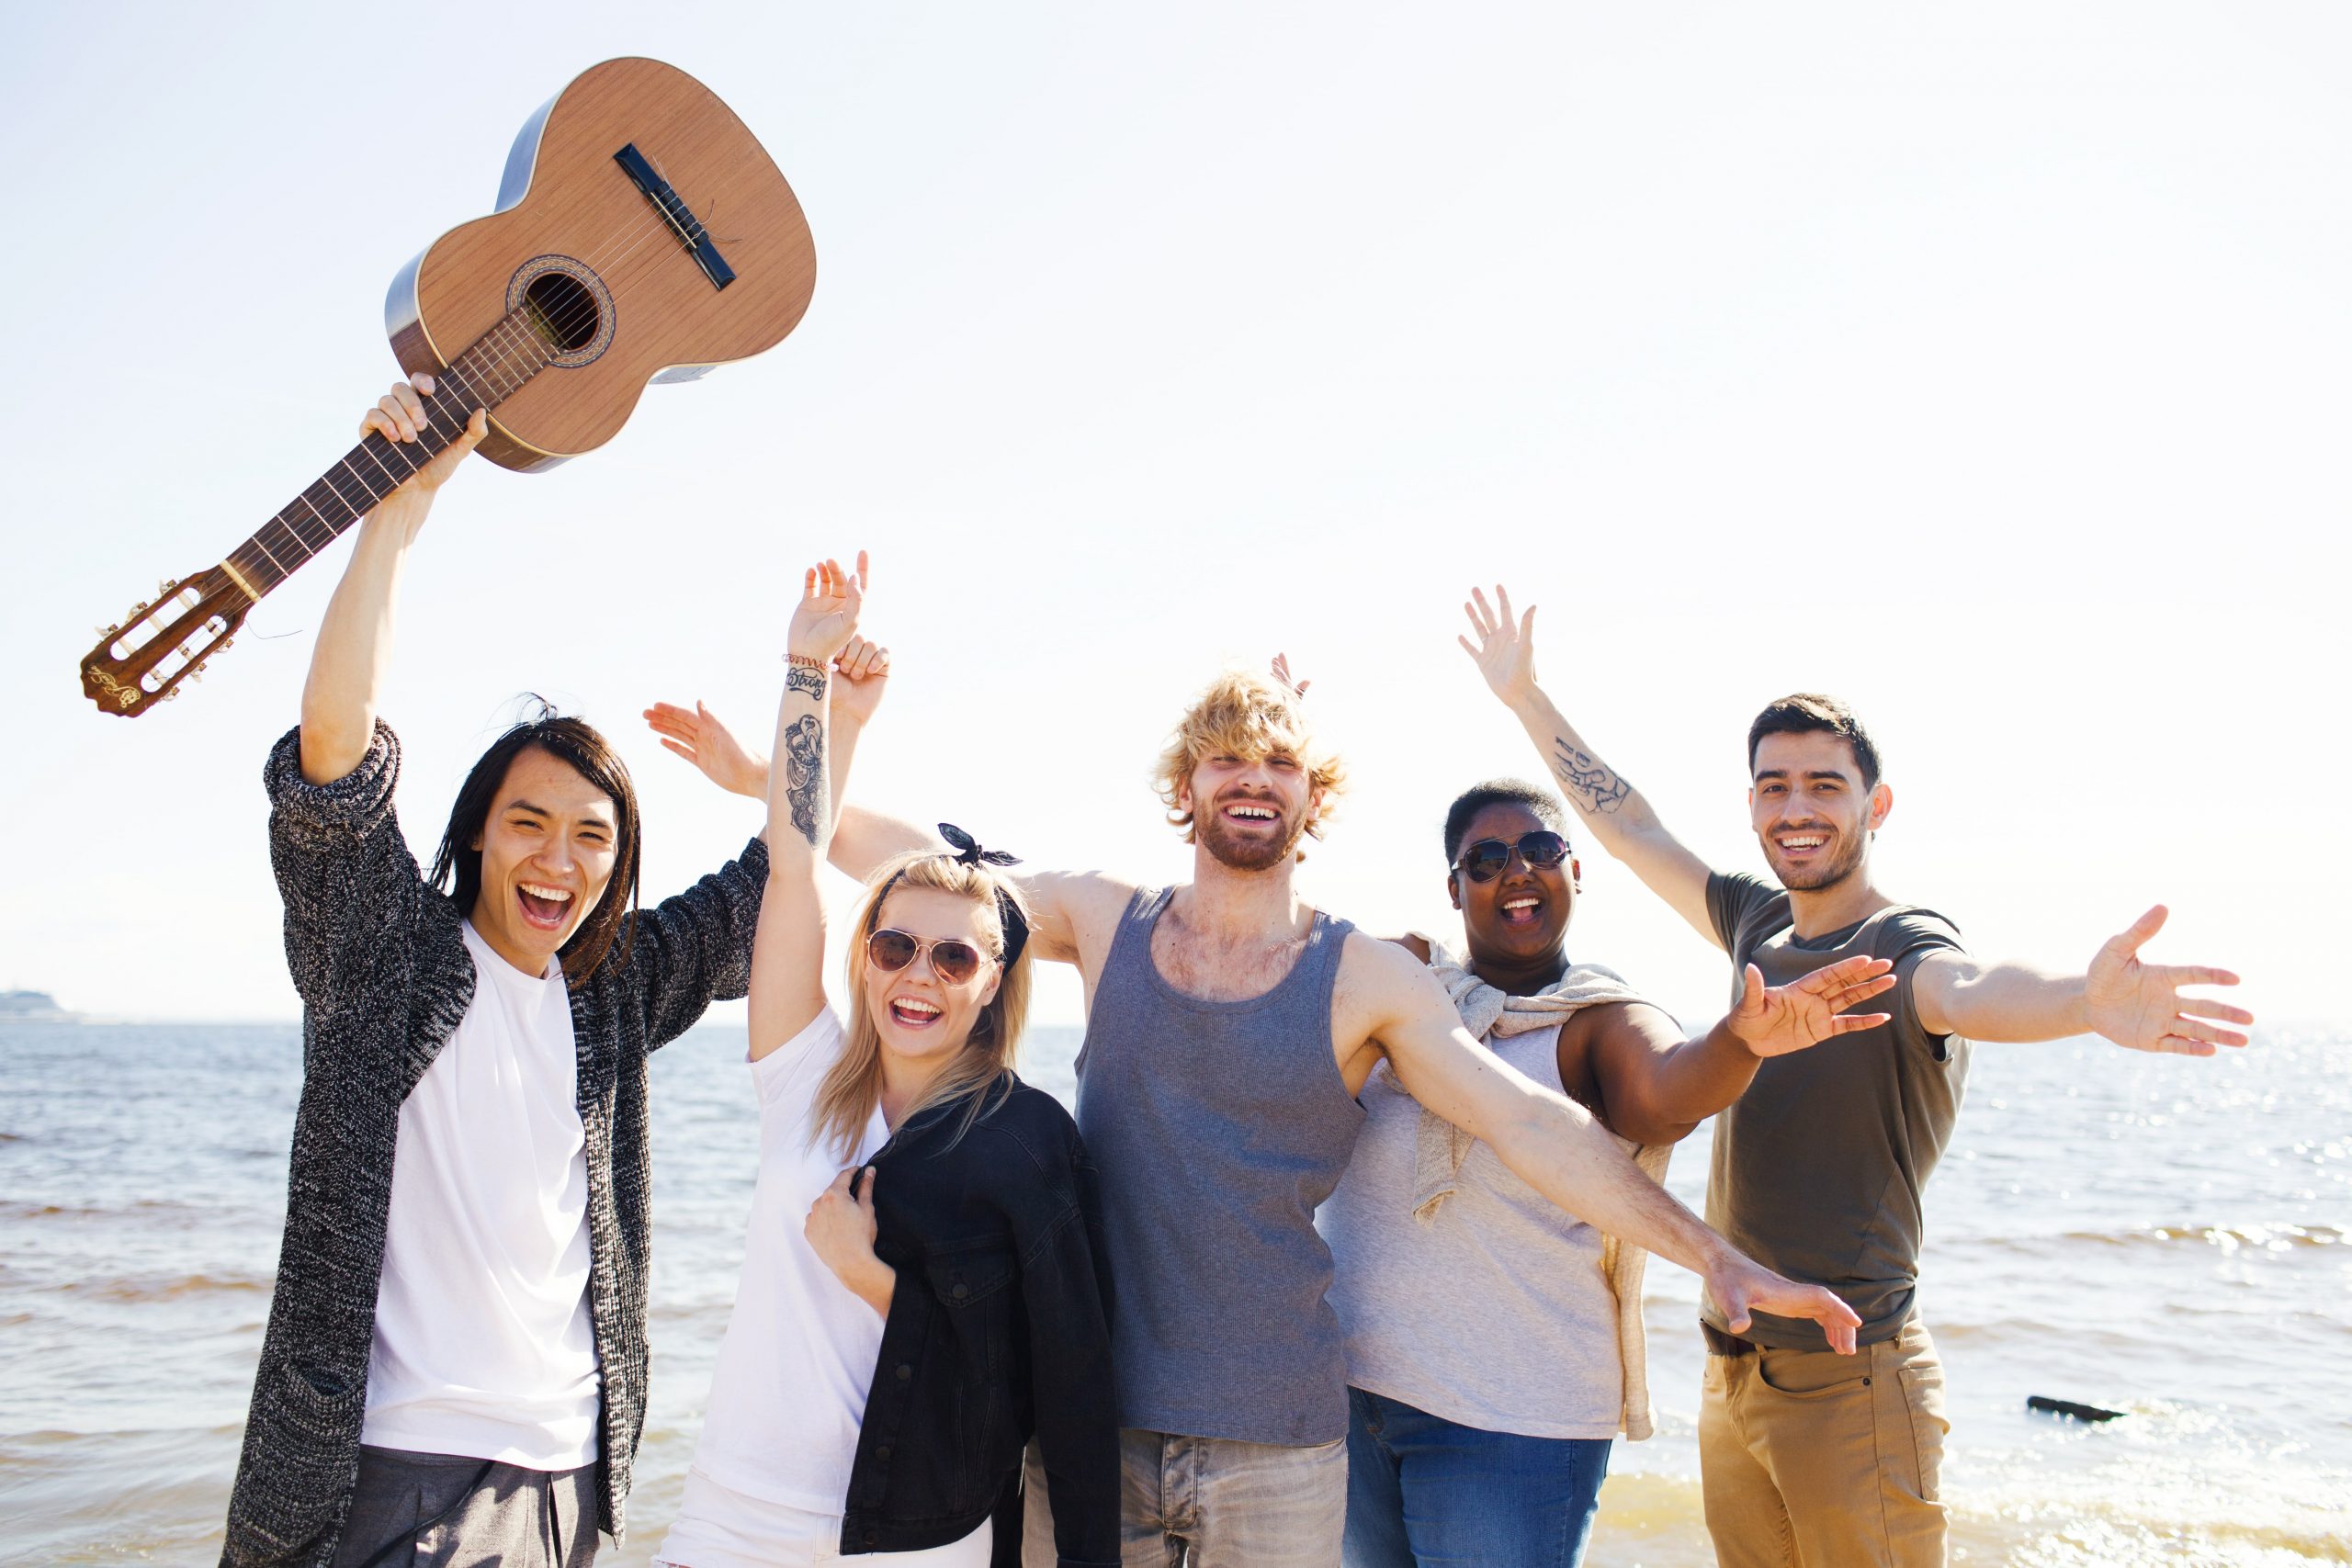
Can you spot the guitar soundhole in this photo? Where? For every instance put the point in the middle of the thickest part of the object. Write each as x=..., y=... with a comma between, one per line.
x=563, y=311
x=567, y=305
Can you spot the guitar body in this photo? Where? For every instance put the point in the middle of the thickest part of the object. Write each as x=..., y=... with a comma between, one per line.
x=566, y=206
x=643, y=234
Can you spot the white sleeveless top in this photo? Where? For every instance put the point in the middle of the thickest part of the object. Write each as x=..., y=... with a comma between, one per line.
x=1494, y=1312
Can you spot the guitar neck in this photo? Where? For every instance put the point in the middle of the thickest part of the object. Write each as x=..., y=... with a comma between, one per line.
x=485, y=376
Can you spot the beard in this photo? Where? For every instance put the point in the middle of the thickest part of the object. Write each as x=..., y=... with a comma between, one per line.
x=1821, y=875
x=1230, y=850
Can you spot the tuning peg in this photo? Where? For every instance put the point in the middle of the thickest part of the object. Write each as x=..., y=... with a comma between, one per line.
x=139, y=608
x=225, y=641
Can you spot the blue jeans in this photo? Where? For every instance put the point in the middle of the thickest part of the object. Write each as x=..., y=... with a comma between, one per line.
x=1423, y=1491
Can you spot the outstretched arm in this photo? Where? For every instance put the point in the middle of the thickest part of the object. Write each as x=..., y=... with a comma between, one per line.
x=789, y=953
x=1655, y=1085
x=1618, y=813
x=355, y=645
x=2135, y=1004
x=1554, y=1145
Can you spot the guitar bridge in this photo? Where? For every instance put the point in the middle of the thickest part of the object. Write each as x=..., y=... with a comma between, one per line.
x=678, y=215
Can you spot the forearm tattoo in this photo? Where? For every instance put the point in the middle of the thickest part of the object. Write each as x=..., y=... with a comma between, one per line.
x=804, y=761
x=1590, y=782
x=800, y=678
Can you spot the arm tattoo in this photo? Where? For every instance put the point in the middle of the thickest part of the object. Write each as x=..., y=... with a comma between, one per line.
x=804, y=759
x=1590, y=782
x=800, y=678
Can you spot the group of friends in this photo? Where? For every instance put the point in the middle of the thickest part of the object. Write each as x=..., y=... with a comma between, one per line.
x=1338, y=1260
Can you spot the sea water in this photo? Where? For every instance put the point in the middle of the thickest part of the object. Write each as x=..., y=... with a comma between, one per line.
x=2164, y=1236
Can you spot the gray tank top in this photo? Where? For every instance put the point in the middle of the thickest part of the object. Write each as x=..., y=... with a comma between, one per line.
x=1219, y=1127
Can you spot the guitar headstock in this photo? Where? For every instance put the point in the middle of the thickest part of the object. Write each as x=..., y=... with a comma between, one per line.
x=165, y=642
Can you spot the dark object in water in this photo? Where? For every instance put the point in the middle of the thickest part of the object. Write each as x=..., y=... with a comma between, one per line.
x=2069, y=1408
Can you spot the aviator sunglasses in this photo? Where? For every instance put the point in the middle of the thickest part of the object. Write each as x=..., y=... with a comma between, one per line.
x=952, y=961
x=1484, y=861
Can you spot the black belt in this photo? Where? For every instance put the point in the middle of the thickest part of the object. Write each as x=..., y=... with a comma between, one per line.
x=1722, y=1344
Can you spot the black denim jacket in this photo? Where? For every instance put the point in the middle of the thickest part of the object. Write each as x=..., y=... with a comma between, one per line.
x=998, y=1329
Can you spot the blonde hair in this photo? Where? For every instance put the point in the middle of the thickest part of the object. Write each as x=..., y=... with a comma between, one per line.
x=852, y=1086
x=1245, y=715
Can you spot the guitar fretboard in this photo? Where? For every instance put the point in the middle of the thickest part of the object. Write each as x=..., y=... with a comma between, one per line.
x=481, y=377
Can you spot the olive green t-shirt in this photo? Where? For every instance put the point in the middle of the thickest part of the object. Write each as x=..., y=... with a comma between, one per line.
x=1818, y=1167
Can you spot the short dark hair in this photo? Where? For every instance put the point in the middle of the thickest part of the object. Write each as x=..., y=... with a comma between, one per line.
x=1810, y=713
x=1500, y=791
x=457, y=869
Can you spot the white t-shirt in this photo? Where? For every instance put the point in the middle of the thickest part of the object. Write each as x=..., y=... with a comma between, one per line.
x=483, y=1344
x=788, y=1395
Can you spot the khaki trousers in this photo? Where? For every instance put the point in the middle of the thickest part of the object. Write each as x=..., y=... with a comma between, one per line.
x=1813, y=1459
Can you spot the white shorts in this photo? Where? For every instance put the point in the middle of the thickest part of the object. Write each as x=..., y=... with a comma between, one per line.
x=720, y=1528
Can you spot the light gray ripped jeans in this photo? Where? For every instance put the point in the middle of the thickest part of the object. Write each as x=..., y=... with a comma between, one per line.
x=1212, y=1503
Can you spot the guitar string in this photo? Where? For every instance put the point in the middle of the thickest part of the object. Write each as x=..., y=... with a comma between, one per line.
x=509, y=347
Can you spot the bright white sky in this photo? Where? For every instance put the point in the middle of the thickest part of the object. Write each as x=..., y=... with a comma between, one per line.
x=1985, y=365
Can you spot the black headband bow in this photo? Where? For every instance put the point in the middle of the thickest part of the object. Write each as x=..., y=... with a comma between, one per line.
x=1008, y=913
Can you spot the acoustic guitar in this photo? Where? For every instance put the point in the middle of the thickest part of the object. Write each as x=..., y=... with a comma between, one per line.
x=641, y=234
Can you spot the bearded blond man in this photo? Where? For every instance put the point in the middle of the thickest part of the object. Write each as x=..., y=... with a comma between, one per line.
x=1230, y=1025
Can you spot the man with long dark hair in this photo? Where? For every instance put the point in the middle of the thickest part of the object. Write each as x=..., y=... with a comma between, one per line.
x=455, y=1357
x=1819, y=1166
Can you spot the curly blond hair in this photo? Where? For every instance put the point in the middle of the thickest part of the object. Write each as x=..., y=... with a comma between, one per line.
x=1246, y=714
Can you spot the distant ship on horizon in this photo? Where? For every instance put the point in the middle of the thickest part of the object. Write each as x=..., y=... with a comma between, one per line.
x=33, y=1007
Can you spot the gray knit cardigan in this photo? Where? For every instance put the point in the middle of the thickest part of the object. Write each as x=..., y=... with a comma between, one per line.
x=384, y=977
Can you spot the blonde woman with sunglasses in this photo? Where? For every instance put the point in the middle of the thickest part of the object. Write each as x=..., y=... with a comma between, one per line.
x=922, y=1293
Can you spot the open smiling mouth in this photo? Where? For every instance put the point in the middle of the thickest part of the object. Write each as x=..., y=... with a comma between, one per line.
x=1523, y=909
x=1800, y=846
x=911, y=1012
x=544, y=908
x=1250, y=811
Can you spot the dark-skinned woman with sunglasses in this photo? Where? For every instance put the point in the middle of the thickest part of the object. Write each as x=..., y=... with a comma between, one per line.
x=922, y=1293
x=1494, y=1343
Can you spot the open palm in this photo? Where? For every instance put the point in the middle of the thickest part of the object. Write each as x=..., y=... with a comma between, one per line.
x=1505, y=651
x=2140, y=1006
x=1773, y=1020
x=826, y=618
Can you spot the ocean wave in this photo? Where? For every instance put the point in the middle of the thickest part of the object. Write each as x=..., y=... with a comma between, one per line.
x=17, y=1209
x=2229, y=1239
x=166, y=1287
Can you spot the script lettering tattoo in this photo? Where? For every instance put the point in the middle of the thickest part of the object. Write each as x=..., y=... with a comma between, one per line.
x=804, y=761
x=1590, y=782
x=800, y=678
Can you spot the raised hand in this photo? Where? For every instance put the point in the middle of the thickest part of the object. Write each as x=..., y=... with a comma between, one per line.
x=861, y=672
x=2140, y=1006
x=1505, y=651
x=1773, y=1020
x=1739, y=1286
x=703, y=739
x=826, y=618
x=400, y=416
x=1282, y=674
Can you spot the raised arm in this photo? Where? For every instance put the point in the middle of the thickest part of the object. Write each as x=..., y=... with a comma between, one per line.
x=1554, y=1145
x=1618, y=813
x=788, y=953
x=2135, y=1004
x=1655, y=1087
x=355, y=645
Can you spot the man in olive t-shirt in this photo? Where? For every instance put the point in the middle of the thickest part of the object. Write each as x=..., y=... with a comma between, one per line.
x=1823, y=1159
x=1809, y=1458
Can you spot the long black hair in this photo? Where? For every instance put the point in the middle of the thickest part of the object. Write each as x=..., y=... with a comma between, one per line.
x=457, y=869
